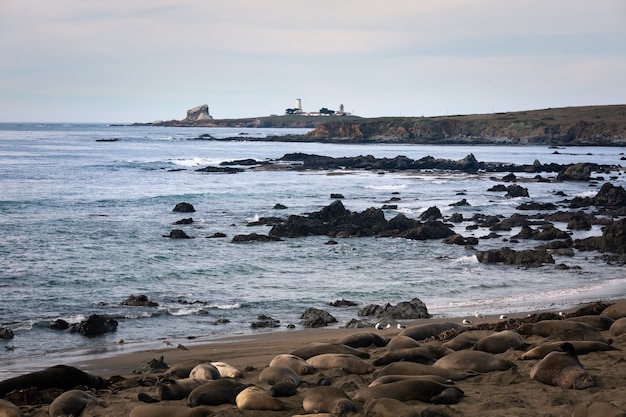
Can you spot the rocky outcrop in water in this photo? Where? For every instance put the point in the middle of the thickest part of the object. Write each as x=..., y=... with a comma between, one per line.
x=508, y=256
x=95, y=325
x=406, y=310
x=198, y=114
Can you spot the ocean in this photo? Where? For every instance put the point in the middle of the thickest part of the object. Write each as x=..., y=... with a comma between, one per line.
x=83, y=219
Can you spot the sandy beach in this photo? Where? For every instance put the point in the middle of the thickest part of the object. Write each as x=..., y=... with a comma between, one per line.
x=508, y=392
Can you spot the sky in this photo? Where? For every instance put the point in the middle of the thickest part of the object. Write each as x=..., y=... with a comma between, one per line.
x=123, y=61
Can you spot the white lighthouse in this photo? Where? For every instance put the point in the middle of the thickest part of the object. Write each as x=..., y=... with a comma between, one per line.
x=298, y=104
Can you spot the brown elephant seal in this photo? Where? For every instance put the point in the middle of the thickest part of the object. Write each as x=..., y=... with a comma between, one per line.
x=255, y=398
x=176, y=389
x=426, y=390
x=393, y=378
x=425, y=331
x=283, y=389
x=412, y=368
x=215, y=392
x=297, y=364
x=615, y=311
x=426, y=354
x=227, y=371
x=59, y=376
x=467, y=340
x=597, y=409
x=327, y=400
x=599, y=322
x=389, y=407
x=500, y=342
x=618, y=328
x=547, y=328
x=71, y=403
x=315, y=349
x=364, y=339
x=562, y=369
x=154, y=410
x=473, y=360
x=8, y=409
x=182, y=369
x=581, y=347
x=276, y=374
x=349, y=363
x=206, y=371
x=402, y=342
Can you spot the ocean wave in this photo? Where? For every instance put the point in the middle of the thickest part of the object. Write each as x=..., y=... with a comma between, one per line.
x=466, y=260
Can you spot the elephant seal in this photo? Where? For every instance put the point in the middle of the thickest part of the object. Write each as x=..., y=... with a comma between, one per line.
x=618, y=328
x=547, y=328
x=467, y=340
x=176, y=389
x=402, y=342
x=71, y=403
x=500, y=342
x=427, y=354
x=297, y=364
x=389, y=407
x=412, y=368
x=215, y=392
x=315, y=349
x=283, y=389
x=255, y=398
x=597, y=409
x=425, y=390
x=473, y=360
x=615, y=311
x=364, y=339
x=327, y=400
x=206, y=371
x=59, y=376
x=562, y=369
x=581, y=347
x=349, y=363
x=425, y=331
x=276, y=374
x=227, y=371
x=393, y=378
x=170, y=411
x=8, y=409
x=182, y=370
x=601, y=323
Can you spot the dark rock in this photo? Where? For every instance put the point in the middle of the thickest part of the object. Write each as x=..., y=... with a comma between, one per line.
x=264, y=321
x=184, y=208
x=406, y=310
x=579, y=221
x=314, y=317
x=217, y=235
x=516, y=220
x=456, y=218
x=515, y=190
x=184, y=221
x=6, y=333
x=331, y=242
x=429, y=230
x=390, y=207
x=254, y=237
x=358, y=324
x=151, y=366
x=59, y=324
x=432, y=213
x=266, y=221
x=608, y=196
x=547, y=232
x=460, y=203
x=243, y=162
x=507, y=256
x=343, y=303
x=457, y=239
x=613, y=239
x=509, y=178
x=279, y=206
x=177, y=234
x=336, y=196
x=221, y=169
x=95, y=325
x=139, y=301
x=498, y=188
x=577, y=172
x=537, y=206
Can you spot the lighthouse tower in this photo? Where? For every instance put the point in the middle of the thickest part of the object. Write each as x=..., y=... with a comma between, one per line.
x=298, y=104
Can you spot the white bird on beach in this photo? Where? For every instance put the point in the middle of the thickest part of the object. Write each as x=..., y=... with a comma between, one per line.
x=167, y=343
x=401, y=326
x=378, y=326
x=503, y=317
x=466, y=321
x=478, y=315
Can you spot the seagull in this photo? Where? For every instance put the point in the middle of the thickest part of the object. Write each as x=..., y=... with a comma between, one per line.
x=503, y=317
x=378, y=326
x=182, y=347
x=388, y=326
x=478, y=315
x=167, y=343
x=466, y=321
x=401, y=326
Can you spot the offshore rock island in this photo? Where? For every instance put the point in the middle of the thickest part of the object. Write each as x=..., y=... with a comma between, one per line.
x=569, y=126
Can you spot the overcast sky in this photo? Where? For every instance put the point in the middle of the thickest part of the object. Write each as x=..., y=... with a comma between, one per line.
x=145, y=60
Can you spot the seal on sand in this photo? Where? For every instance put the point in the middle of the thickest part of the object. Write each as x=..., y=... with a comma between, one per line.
x=176, y=389
x=602, y=323
x=59, y=376
x=427, y=354
x=8, y=409
x=597, y=409
x=389, y=407
x=412, y=368
x=297, y=364
x=615, y=311
x=71, y=403
x=580, y=346
x=393, y=378
x=424, y=331
x=562, y=369
x=467, y=339
x=255, y=398
x=349, y=363
x=205, y=371
x=547, y=328
x=315, y=349
x=275, y=374
x=364, y=339
x=426, y=390
x=226, y=370
x=215, y=392
x=473, y=360
x=182, y=370
x=500, y=342
x=327, y=400
x=402, y=342
x=618, y=328
x=170, y=411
